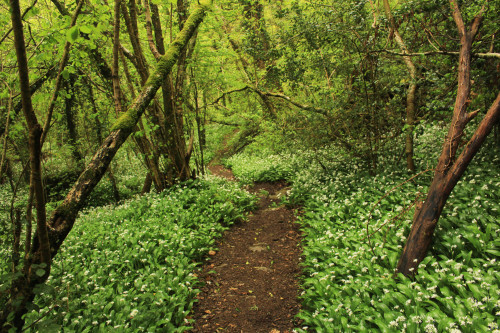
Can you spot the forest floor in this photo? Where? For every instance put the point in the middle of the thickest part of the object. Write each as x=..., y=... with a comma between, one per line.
x=250, y=285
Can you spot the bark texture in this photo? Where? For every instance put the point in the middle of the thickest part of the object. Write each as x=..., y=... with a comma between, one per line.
x=449, y=168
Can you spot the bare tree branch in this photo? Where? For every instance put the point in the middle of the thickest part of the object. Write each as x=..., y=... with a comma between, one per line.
x=271, y=94
x=454, y=53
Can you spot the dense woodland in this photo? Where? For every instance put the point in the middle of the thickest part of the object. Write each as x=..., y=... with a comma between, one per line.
x=382, y=115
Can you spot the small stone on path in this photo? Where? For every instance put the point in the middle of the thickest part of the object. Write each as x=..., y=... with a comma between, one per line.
x=258, y=247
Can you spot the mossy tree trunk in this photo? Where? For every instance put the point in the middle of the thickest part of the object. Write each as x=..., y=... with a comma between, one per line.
x=175, y=143
x=449, y=168
x=50, y=236
x=167, y=139
x=149, y=151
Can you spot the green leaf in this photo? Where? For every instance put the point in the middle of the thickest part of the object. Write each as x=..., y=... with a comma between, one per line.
x=85, y=29
x=476, y=292
x=65, y=74
x=40, y=272
x=72, y=34
x=494, y=252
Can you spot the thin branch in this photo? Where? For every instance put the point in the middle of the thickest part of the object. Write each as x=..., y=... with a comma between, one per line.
x=222, y=122
x=35, y=86
x=128, y=54
x=6, y=132
x=22, y=17
x=227, y=93
x=57, y=87
x=270, y=94
x=454, y=53
x=301, y=106
x=477, y=21
x=149, y=31
x=60, y=7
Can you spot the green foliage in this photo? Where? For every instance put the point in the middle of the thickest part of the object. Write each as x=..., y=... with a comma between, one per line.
x=348, y=283
x=326, y=54
x=72, y=34
x=259, y=169
x=131, y=267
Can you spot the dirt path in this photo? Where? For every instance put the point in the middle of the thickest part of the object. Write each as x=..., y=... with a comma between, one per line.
x=251, y=282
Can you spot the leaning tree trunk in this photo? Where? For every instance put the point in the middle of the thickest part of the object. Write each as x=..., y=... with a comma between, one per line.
x=449, y=168
x=63, y=218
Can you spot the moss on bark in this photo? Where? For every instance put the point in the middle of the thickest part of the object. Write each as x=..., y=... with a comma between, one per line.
x=164, y=66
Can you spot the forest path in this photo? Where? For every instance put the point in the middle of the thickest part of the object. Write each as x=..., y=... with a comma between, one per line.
x=251, y=282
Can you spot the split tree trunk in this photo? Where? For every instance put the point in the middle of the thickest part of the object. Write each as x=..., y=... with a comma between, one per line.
x=49, y=237
x=449, y=168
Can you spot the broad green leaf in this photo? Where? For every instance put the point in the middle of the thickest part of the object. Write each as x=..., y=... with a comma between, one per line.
x=86, y=29
x=72, y=34
x=65, y=74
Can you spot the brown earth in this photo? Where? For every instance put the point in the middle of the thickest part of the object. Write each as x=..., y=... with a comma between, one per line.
x=251, y=282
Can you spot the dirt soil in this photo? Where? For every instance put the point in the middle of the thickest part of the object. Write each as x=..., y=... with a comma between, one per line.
x=251, y=282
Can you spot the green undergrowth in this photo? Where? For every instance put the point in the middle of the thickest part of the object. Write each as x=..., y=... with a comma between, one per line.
x=60, y=174
x=254, y=168
x=354, y=230
x=131, y=267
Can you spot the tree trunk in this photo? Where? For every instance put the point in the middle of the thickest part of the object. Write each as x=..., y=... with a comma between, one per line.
x=177, y=168
x=410, y=95
x=145, y=146
x=147, y=184
x=70, y=122
x=114, y=185
x=449, y=170
x=18, y=303
x=63, y=218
